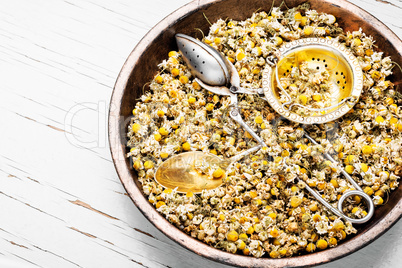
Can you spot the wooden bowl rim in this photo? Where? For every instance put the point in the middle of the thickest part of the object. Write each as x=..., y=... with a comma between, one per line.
x=118, y=150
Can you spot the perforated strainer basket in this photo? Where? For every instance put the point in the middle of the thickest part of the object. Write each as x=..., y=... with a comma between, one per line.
x=345, y=78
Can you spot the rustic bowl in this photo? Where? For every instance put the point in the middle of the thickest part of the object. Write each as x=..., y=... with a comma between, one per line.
x=140, y=68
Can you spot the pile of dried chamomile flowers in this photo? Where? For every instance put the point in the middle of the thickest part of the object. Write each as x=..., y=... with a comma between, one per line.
x=261, y=209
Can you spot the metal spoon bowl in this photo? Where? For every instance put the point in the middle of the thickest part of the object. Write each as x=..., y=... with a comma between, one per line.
x=179, y=172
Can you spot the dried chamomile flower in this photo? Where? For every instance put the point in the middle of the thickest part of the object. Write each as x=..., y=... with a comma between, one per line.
x=262, y=209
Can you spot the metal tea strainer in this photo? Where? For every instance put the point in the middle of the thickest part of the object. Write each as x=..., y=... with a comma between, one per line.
x=216, y=74
x=345, y=78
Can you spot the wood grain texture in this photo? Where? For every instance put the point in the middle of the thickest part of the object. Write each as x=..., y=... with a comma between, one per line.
x=62, y=204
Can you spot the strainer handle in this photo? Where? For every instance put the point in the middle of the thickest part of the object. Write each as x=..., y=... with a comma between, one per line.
x=338, y=212
x=330, y=158
x=358, y=191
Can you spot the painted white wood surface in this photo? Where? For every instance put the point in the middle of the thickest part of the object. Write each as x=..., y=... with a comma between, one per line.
x=61, y=202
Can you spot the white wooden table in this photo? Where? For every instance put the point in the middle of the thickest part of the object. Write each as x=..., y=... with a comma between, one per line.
x=61, y=202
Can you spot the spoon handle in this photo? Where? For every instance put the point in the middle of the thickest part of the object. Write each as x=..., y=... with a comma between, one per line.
x=239, y=156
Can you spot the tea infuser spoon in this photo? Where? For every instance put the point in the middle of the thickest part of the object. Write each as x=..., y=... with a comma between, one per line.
x=178, y=172
x=209, y=66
